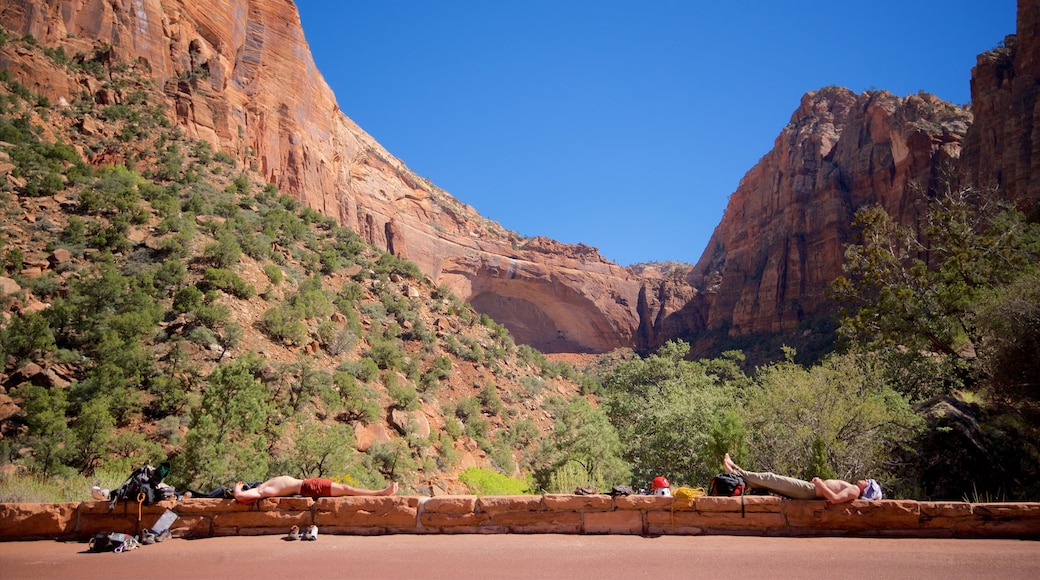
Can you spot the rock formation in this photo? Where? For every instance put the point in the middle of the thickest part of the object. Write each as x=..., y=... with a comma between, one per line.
x=779, y=245
x=239, y=74
x=1003, y=145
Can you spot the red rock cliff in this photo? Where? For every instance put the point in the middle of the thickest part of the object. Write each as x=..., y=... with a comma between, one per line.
x=1003, y=145
x=780, y=242
x=239, y=73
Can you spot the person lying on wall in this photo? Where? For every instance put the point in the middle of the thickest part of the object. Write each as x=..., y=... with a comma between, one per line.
x=832, y=490
x=315, y=487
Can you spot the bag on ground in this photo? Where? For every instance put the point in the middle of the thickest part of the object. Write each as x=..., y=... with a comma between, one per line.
x=110, y=542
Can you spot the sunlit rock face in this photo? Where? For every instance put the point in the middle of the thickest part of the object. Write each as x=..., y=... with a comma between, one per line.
x=780, y=243
x=239, y=74
x=1003, y=145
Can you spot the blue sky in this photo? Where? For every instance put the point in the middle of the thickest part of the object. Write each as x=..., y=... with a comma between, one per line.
x=621, y=125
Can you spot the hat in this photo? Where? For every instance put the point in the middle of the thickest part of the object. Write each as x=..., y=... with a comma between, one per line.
x=659, y=482
x=872, y=491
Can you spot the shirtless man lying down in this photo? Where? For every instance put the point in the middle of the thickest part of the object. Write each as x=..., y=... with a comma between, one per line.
x=832, y=490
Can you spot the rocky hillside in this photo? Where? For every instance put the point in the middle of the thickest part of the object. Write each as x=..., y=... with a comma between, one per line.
x=164, y=258
x=238, y=74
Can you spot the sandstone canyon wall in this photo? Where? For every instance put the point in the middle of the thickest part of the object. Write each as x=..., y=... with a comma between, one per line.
x=780, y=242
x=1002, y=147
x=238, y=73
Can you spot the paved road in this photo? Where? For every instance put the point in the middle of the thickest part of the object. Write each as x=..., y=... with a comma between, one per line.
x=531, y=556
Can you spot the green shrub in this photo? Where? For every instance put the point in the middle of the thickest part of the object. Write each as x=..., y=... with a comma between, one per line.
x=391, y=264
x=486, y=482
x=310, y=301
x=14, y=260
x=28, y=336
x=212, y=315
x=228, y=281
x=114, y=192
x=225, y=251
x=280, y=323
x=187, y=299
x=387, y=354
x=274, y=273
x=359, y=400
x=404, y=394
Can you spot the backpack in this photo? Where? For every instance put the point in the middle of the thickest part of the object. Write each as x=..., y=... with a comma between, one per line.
x=727, y=484
x=112, y=542
x=143, y=485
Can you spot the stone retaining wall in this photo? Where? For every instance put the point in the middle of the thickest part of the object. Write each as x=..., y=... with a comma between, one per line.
x=531, y=514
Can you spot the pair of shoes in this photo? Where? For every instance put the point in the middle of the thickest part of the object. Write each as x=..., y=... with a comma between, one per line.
x=312, y=534
x=294, y=534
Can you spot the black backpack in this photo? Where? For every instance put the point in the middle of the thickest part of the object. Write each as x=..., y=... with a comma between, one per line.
x=727, y=484
x=112, y=542
x=142, y=486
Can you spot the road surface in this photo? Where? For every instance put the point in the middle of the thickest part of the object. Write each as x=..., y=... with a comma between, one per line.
x=549, y=556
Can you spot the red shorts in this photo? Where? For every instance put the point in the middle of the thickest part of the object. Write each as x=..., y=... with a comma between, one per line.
x=316, y=487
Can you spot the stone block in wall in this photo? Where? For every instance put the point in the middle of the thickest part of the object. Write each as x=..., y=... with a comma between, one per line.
x=1002, y=520
x=191, y=526
x=857, y=516
x=114, y=522
x=125, y=507
x=286, y=503
x=522, y=518
x=616, y=522
x=544, y=522
x=642, y=502
x=510, y=503
x=941, y=519
x=209, y=506
x=263, y=519
x=578, y=503
x=389, y=512
x=20, y=521
x=450, y=504
x=751, y=504
x=452, y=520
x=667, y=523
x=697, y=522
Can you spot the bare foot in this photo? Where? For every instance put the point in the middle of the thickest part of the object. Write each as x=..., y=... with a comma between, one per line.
x=727, y=464
x=390, y=489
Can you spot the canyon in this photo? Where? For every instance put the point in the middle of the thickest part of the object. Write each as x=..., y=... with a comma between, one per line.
x=239, y=74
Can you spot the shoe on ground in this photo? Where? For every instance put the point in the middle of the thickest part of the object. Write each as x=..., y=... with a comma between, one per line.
x=294, y=534
x=312, y=534
x=99, y=494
